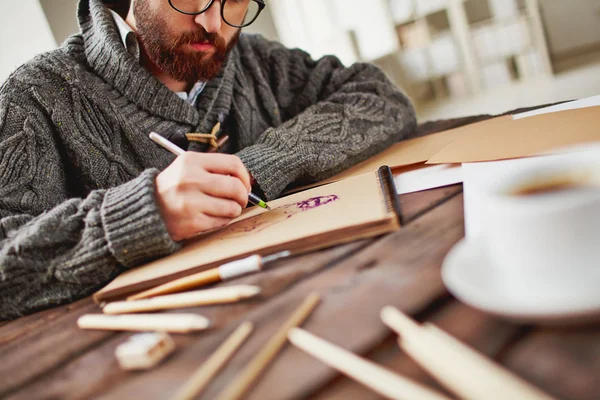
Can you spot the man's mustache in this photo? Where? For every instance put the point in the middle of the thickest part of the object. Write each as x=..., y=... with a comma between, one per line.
x=202, y=36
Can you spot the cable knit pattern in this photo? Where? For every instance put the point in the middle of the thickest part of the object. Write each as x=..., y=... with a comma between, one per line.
x=77, y=170
x=321, y=117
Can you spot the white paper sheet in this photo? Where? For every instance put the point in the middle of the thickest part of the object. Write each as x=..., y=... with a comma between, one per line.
x=428, y=178
x=572, y=105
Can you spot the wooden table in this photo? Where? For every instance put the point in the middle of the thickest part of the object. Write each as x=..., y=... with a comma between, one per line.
x=45, y=355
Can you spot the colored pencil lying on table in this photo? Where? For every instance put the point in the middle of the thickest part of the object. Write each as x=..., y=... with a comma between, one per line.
x=180, y=323
x=224, y=295
x=248, y=376
x=377, y=378
x=461, y=369
x=202, y=377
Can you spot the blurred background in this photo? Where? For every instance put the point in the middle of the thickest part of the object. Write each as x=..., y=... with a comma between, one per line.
x=453, y=57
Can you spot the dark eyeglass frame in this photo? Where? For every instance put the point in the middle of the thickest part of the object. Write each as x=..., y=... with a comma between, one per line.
x=261, y=6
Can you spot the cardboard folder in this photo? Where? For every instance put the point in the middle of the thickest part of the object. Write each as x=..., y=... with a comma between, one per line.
x=504, y=138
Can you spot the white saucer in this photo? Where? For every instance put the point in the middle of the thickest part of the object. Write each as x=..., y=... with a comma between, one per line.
x=471, y=278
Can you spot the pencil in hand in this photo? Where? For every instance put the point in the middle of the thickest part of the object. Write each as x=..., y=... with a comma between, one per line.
x=173, y=148
x=254, y=199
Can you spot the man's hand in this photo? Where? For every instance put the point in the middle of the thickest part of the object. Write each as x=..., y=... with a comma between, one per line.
x=200, y=191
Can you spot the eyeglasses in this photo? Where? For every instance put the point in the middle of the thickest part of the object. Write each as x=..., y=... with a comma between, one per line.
x=236, y=13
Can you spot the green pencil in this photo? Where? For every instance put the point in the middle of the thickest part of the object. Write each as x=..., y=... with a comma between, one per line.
x=254, y=199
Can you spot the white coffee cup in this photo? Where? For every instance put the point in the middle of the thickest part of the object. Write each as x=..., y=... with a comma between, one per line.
x=550, y=241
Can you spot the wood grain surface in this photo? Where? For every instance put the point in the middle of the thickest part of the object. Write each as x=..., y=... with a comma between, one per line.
x=45, y=355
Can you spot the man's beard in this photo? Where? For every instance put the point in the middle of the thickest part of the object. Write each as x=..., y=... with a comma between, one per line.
x=167, y=51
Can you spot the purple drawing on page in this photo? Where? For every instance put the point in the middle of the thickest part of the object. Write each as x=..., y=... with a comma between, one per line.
x=265, y=220
x=315, y=202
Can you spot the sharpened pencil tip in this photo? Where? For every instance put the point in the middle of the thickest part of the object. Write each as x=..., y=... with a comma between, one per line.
x=263, y=204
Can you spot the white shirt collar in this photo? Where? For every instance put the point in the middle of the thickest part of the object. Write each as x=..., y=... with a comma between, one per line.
x=127, y=35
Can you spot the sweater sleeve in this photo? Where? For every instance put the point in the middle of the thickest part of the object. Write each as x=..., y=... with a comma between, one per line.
x=53, y=248
x=333, y=117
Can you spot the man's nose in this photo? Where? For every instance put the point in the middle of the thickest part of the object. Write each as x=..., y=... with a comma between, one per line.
x=211, y=18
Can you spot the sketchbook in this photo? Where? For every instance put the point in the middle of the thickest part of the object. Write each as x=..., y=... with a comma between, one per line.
x=355, y=208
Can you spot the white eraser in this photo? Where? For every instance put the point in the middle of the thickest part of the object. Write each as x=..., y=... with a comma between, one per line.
x=144, y=350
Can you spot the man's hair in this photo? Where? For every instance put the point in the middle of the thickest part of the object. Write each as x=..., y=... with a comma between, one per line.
x=121, y=7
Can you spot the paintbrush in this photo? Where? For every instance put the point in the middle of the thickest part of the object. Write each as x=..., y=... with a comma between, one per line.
x=224, y=272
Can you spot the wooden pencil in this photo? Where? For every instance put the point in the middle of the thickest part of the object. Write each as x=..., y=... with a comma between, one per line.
x=200, y=379
x=257, y=365
x=377, y=378
x=200, y=279
x=229, y=294
x=460, y=368
x=180, y=323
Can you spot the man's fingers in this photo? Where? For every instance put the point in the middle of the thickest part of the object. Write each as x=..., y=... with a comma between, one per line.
x=200, y=192
x=225, y=187
x=218, y=207
x=224, y=164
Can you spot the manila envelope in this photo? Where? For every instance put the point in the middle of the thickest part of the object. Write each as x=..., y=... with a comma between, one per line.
x=504, y=138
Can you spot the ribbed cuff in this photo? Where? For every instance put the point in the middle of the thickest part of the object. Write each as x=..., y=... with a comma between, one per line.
x=272, y=168
x=135, y=230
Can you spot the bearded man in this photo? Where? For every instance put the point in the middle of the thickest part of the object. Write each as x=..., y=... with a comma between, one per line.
x=85, y=194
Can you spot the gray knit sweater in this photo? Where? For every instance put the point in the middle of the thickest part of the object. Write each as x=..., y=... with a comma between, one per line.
x=77, y=169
